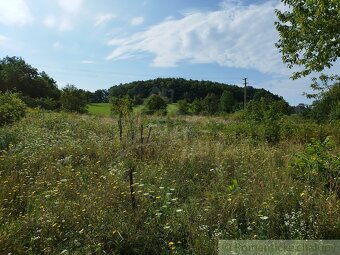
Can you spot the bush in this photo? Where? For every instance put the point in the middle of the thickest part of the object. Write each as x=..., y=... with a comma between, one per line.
x=183, y=106
x=12, y=108
x=155, y=103
x=197, y=106
x=227, y=102
x=73, y=99
x=211, y=104
x=42, y=102
x=318, y=165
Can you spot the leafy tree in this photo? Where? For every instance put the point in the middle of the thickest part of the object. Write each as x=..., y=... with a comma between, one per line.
x=197, y=106
x=183, y=106
x=17, y=75
x=327, y=101
x=73, y=99
x=99, y=96
x=227, y=102
x=309, y=34
x=121, y=106
x=210, y=103
x=12, y=108
x=155, y=103
x=266, y=107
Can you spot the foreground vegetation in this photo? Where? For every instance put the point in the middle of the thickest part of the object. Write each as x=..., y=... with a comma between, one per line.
x=65, y=184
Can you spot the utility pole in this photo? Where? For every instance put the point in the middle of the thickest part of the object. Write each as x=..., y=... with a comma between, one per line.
x=245, y=92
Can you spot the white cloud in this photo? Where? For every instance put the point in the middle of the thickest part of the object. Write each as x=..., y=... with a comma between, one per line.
x=66, y=23
x=15, y=12
x=63, y=23
x=234, y=36
x=70, y=6
x=66, y=20
x=136, y=21
x=50, y=21
x=3, y=38
x=87, y=62
x=103, y=18
x=57, y=45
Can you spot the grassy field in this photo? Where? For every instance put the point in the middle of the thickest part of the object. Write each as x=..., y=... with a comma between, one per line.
x=104, y=109
x=170, y=185
x=100, y=109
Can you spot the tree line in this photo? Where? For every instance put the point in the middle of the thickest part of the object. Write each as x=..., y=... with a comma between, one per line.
x=183, y=89
x=38, y=89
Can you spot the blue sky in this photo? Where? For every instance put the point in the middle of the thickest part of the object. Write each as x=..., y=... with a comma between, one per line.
x=97, y=44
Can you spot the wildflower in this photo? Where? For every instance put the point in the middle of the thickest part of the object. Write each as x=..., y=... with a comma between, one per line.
x=203, y=227
x=264, y=218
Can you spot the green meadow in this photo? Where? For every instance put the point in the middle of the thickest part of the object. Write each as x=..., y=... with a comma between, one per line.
x=100, y=109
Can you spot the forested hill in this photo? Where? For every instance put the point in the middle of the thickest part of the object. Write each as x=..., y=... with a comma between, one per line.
x=185, y=89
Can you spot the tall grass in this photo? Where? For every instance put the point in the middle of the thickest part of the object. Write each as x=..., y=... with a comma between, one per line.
x=64, y=186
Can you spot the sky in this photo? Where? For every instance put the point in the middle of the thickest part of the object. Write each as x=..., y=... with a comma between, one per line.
x=97, y=44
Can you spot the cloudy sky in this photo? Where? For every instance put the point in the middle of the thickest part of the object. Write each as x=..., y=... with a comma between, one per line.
x=97, y=44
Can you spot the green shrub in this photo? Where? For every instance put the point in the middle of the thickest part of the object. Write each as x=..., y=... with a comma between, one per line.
x=12, y=108
x=7, y=137
x=197, y=106
x=73, y=99
x=42, y=102
x=155, y=103
x=227, y=102
x=318, y=165
x=183, y=106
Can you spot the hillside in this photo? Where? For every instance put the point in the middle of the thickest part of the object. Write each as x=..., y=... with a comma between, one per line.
x=185, y=89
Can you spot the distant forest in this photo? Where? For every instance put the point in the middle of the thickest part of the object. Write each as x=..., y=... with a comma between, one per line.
x=176, y=89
